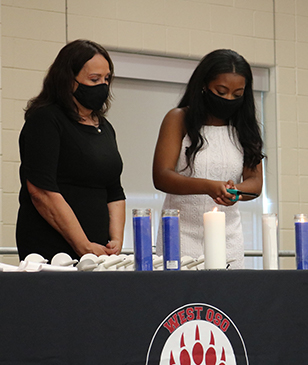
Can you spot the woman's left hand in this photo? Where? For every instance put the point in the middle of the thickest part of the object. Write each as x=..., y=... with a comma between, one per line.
x=226, y=199
x=114, y=247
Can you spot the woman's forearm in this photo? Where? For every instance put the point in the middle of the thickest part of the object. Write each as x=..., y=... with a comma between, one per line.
x=116, y=223
x=252, y=181
x=250, y=186
x=172, y=182
x=55, y=210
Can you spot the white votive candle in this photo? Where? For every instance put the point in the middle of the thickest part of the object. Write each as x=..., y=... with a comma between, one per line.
x=270, y=243
x=214, y=240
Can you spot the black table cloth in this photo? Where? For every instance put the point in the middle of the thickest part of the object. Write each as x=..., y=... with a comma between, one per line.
x=189, y=317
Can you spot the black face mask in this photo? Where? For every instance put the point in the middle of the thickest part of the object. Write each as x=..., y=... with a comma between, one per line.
x=219, y=107
x=92, y=97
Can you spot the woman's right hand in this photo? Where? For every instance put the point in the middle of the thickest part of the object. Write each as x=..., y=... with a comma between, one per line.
x=217, y=190
x=98, y=249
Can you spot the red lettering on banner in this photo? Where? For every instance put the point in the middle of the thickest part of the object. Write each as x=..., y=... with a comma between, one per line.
x=172, y=324
x=217, y=320
x=190, y=314
x=198, y=309
x=209, y=315
x=224, y=325
x=194, y=313
x=182, y=317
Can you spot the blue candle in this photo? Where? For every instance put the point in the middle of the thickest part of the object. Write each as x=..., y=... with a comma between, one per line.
x=142, y=239
x=301, y=241
x=171, y=239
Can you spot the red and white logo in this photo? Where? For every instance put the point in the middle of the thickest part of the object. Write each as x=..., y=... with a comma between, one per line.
x=197, y=334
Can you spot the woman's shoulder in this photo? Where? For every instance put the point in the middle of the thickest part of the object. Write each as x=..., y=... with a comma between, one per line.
x=175, y=119
x=46, y=117
x=177, y=113
x=50, y=111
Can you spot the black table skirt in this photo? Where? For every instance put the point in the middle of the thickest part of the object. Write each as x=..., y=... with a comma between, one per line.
x=205, y=317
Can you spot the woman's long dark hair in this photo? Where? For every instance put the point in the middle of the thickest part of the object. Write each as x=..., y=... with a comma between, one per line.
x=244, y=120
x=59, y=81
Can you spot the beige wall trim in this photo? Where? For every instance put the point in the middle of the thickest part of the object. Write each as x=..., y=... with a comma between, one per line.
x=168, y=69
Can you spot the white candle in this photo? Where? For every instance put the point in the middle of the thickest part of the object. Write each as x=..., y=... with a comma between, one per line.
x=270, y=244
x=214, y=240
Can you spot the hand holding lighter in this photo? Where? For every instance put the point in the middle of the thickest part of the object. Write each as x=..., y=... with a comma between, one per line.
x=237, y=194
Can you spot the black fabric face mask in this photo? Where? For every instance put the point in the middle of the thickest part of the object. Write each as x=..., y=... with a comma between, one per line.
x=220, y=107
x=92, y=97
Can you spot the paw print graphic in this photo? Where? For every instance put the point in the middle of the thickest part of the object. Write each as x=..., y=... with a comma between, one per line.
x=198, y=354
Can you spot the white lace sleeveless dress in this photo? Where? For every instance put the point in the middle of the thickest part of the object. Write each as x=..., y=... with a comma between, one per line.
x=221, y=158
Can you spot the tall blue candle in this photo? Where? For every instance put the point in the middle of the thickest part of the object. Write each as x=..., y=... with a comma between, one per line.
x=301, y=241
x=171, y=239
x=142, y=239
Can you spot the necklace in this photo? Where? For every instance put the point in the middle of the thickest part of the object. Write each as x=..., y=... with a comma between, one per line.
x=92, y=122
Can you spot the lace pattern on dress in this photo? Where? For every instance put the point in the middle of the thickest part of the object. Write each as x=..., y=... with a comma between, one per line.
x=221, y=158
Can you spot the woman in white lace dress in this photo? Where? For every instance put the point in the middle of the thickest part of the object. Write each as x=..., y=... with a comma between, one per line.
x=209, y=143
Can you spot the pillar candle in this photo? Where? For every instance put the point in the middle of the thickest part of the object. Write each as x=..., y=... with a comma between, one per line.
x=171, y=239
x=214, y=240
x=142, y=239
x=301, y=241
x=269, y=242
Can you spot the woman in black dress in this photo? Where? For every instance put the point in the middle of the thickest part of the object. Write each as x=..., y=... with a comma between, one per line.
x=71, y=198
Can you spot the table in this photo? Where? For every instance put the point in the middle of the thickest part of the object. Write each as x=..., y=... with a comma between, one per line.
x=205, y=317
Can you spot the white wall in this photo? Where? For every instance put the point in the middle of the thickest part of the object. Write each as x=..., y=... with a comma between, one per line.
x=270, y=33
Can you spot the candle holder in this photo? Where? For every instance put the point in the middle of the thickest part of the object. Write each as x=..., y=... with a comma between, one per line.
x=142, y=239
x=171, y=239
x=301, y=241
